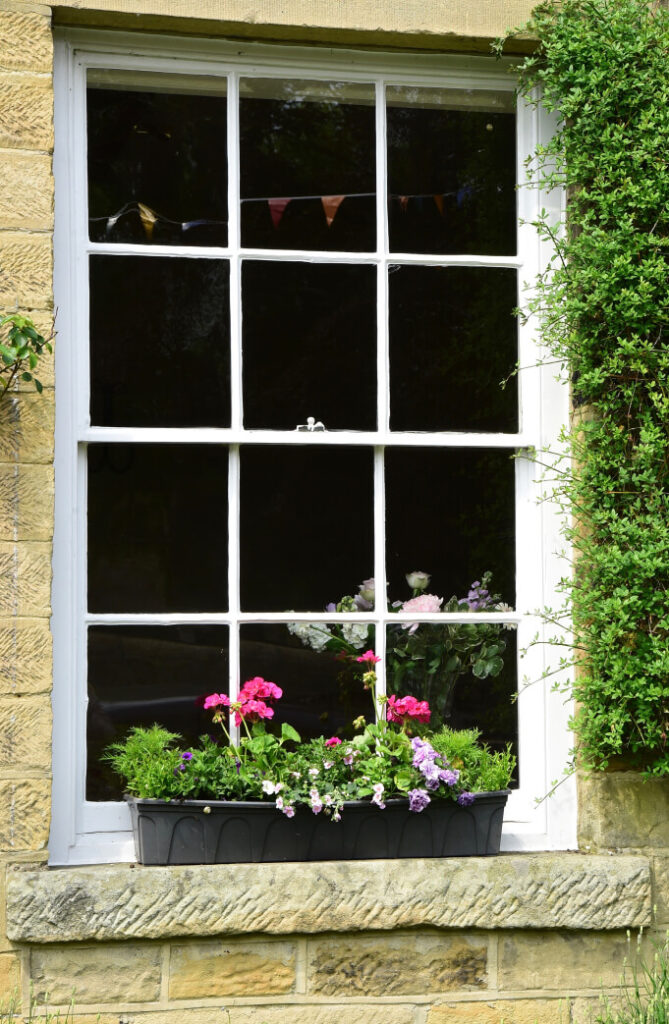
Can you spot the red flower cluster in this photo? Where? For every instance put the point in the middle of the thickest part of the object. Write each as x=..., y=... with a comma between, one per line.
x=250, y=706
x=403, y=709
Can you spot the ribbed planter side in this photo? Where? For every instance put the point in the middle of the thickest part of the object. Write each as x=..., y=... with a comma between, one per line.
x=224, y=832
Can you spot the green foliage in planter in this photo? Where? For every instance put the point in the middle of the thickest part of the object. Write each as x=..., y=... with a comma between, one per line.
x=603, y=310
x=21, y=347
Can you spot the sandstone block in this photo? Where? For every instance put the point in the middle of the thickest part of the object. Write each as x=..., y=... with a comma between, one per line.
x=25, y=733
x=26, y=266
x=516, y=891
x=26, y=663
x=232, y=968
x=585, y=1011
x=10, y=975
x=25, y=41
x=26, y=197
x=129, y=973
x=378, y=965
x=26, y=501
x=26, y=112
x=517, y=1011
x=26, y=428
x=288, y=1012
x=621, y=811
x=25, y=578
x=661, y=890
x=24, y=814
x=562, y=960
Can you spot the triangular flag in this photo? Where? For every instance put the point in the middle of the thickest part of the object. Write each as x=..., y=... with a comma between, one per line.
x=148, y=219
x=276, y=208
x=330, y=206
x=439, y=200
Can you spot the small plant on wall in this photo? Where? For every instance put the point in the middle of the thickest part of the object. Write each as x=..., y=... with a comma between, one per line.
x=21, y=349
x=602, y=308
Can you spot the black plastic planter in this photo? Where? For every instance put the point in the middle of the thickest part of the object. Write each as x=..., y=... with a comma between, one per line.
x=222, y=832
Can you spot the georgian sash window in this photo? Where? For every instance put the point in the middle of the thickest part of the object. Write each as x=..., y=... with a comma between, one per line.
x=285, y=287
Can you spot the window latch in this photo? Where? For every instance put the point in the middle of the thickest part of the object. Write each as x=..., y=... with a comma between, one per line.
x=311, y=424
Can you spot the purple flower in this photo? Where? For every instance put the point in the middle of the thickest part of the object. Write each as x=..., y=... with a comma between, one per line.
x=465, y=799
x=418, y=800
x=331, y=607
x=449, y=776
x=187, y=756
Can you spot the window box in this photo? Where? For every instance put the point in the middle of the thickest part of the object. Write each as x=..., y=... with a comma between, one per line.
x=225, y=832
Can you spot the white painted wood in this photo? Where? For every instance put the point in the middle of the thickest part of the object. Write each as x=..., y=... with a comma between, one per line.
x=86, y=832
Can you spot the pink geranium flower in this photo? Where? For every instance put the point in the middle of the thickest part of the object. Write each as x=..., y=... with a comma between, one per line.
x=334, y=741
x=215, y=700
x=252, y=711
x=422, y=603
x=260, y=689
x=368, y=658
x=404, y=709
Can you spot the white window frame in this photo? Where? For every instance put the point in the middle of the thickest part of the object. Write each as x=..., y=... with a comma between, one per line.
x=84, y=832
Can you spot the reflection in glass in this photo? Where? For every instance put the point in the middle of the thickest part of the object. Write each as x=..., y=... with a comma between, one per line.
x=157, y=528
x=157, y=159
x=309, y=345
x=138, y=675
x=306, y=525
x=160, y=341
x=451, y=171
x=466, y=672
x=322, y=694
x=307, y=155
x=451, y=513
x=453, y=340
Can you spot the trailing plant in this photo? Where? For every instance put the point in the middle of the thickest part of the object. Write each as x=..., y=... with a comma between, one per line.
x=602, y=307
x=21, y=347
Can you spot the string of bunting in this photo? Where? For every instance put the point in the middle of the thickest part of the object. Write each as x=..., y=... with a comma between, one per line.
x=277, y=207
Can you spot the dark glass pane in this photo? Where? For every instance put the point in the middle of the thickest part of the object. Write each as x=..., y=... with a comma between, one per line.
x=306, y=526
x=451, y=172
x=307, y=165
x=160, y=342
x=157, y=528
x=157, y=159
x=321, y=694
x=309, y=344
x=450, y=513
x=435, y=664
x=453, y=339
x=138, y=675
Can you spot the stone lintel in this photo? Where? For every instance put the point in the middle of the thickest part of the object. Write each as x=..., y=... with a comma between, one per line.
x=550, y=890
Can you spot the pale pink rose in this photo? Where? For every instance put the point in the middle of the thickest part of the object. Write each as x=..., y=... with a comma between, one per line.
x=422, y=603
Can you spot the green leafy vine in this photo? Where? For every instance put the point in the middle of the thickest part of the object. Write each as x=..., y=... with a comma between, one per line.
x=603, y=311
x=21, y=347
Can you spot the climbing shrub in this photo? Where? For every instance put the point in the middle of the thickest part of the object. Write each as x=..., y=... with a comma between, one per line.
x=602, y=308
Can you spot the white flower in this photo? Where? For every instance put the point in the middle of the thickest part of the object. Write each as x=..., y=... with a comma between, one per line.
x=312, y=634
x=271, y=787
x=503, y=607
x=314, y=772
x=354, y=634
x=279, y=803
x=417, y=580
x=367, y=590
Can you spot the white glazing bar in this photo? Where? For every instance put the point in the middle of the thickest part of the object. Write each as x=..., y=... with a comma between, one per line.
x=237, y=413
x=213, y=618
x=382, y=367
x=215, y=435
x=81, y=268
x=381, y=598
x=303, y=255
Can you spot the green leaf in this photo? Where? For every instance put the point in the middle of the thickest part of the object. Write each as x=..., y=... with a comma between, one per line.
x=288, y=733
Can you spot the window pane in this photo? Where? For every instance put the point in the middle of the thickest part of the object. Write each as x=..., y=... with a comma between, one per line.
x=321, y=694
x=451, y=171
x=306, y=526
x=138, y=675
x=160, y=342
x=309, y=345
x=453, y=339
x=451, y=514
x=157, y=159
x=434, y=663
x=307, y=152
x=157, y=528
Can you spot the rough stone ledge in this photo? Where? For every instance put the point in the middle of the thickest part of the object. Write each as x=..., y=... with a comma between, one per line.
x=511, y=891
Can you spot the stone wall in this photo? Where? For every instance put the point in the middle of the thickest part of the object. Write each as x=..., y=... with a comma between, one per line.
x=515, y=939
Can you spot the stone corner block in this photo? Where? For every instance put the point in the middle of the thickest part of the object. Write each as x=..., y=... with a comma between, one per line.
x=513, y=891
x=26, y=112
x=25, y=578
x=26, y=501
x=619, y=810
x=26, y=265
x=26, y=663
x=25, y=37
x=24, y=814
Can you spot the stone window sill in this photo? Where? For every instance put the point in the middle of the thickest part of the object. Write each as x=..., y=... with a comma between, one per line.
x=550, y=890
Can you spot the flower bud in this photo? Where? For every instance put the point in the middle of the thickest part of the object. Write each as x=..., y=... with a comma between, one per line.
x=417, y=580
x=366, y=590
